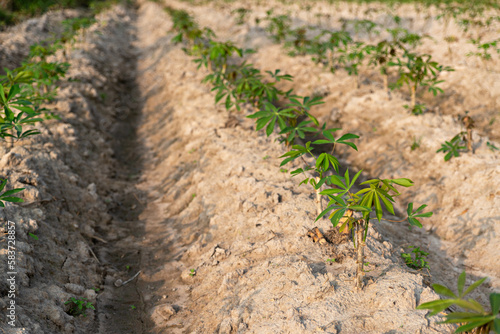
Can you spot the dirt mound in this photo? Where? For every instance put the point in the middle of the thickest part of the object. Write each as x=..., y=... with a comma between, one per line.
x=68, y=172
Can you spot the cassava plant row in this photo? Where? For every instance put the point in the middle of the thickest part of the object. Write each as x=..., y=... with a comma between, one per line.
x=337, y=49
x=239, y=83
x=25, y=89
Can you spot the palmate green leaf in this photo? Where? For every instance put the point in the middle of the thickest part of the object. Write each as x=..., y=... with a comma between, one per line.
x=298, y=129
x=324, y=161
x=371, y=197
x=347, y=136
x=297, y=151
x=413, y=215
x=271, y=114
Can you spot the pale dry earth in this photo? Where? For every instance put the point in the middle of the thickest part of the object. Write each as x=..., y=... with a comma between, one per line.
x=144, y=173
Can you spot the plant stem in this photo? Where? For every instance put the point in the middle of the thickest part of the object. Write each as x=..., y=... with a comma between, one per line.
x=386, y=89
x=360, y=248
x=319, y=206
x=469, y=140
x=412, y=103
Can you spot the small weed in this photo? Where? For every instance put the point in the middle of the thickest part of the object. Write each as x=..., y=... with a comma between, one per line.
x=193, y=195
x=79, y=306
x=241, y=15
x=127, y=267
x=96, y=289
x=415, y=144
x=483, y=49
x=33, y=236
x=133, y=307
x=418, y=109
x=330, y=261
x=452, y=148
x=192, y=272
x=191, y=151
x=416, y=259
x=266, y=157
x=492, y=147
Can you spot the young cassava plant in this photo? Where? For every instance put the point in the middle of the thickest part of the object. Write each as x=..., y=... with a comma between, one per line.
x=418, y=71
x=352, y=210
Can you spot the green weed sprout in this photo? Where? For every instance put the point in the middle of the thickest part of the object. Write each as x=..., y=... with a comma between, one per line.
x=79, y=306
x=241, y=15
x=483, y=49
x=416, y=258
x=452, y=148
x=279, y=26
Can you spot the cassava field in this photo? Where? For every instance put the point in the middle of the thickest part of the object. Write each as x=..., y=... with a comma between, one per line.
x=249, y=166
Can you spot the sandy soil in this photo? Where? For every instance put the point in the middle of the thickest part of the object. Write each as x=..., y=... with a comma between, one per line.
x=145, y=175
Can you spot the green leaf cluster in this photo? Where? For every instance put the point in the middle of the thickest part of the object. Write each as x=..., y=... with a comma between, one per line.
x=475, y=317
x=415, y=258
x=79, y=306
